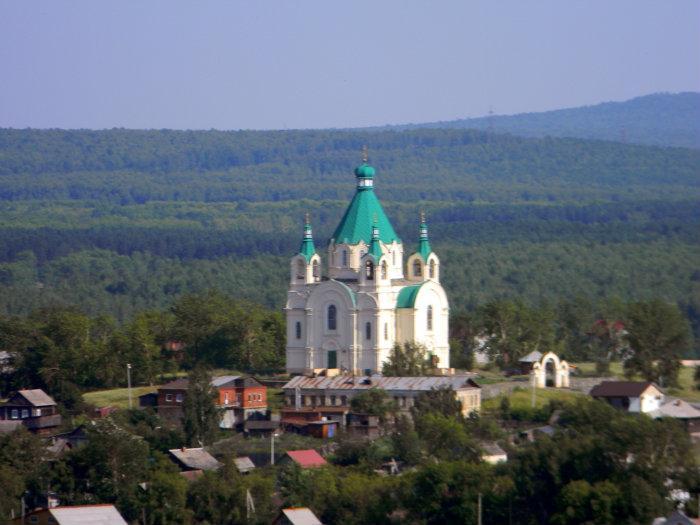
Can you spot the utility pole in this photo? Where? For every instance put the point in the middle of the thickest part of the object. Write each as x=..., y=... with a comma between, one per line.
x=128, y=381
x=272, y=448
x=534, y=389
x=478, y=516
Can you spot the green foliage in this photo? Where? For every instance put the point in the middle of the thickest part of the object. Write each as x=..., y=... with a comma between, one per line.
x=658, y=337
x=407, y=359
x=201, y=416
x=374, y=402
x=441, y=400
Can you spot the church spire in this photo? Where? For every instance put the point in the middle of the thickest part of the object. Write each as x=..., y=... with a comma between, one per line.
x=424, y=248
x=307, y=248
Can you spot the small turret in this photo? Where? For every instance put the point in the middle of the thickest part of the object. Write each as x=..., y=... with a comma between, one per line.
x=306, y=265
x=423, y=264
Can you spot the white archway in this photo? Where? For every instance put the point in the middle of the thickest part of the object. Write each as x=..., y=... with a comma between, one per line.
x=559, y=370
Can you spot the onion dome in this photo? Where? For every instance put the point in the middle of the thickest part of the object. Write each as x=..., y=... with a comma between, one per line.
x=307, y=248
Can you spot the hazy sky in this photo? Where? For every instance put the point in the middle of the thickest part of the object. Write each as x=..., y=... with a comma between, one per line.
x=300, y=64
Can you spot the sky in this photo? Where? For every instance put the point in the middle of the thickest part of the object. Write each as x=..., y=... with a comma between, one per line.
x=317, y=64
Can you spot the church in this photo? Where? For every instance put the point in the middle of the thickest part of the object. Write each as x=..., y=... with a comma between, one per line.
x=347, y=319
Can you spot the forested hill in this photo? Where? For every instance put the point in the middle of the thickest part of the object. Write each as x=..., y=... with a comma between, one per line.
x=661, y=119
x=119, y=221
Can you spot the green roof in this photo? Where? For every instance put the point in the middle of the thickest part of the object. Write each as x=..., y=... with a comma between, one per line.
x=424, y=249
x=363, y=212
x=407, y=296
x=307, y=248
x=365, y=171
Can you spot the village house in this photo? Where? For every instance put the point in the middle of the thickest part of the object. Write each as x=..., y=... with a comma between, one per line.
x=492, y=453
x=630, y=396
x=103, y=514
x=34, y=408
x=331, y=396
x=240, y=398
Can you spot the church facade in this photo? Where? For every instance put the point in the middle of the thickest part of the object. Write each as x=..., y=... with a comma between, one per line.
x=349, y=319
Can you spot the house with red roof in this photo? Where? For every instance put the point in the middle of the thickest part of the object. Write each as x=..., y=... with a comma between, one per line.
x=304, y=458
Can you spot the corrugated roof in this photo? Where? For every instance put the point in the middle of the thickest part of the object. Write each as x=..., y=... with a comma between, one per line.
x=345, y=382
x=621, y=388
x=676, y=408
x=37, y=397
x=195, y=458
x=301, y=516
x=307, y=458
x=87, y=515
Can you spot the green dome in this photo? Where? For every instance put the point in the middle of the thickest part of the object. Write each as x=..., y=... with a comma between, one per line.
x=365, y=171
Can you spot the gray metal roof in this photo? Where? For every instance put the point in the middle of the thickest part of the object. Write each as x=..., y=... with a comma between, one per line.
x=676, y=408
x=37, y=397
x=195, y=458
x=345, y=382
x=301, y=516
x=222, y=380
x=244, y=464
x=87, y=515
x=532, y=357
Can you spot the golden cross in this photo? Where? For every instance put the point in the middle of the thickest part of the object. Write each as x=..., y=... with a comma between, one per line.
x=364, y=154
x=422, y=216
x=307, y=218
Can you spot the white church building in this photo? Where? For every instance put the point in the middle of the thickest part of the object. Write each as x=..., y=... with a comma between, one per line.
x=349, y=320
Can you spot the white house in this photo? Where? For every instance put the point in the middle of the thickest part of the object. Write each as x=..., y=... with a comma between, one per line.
x=632, y=396
x=370, y=300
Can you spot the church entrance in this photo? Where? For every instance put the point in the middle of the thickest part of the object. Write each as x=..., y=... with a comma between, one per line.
x=332, y=359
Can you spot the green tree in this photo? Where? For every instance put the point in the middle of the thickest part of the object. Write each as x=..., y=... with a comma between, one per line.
x=374, y=402
x=201, y=416
x=408, y=359
x=440, y=400
x=658, y=336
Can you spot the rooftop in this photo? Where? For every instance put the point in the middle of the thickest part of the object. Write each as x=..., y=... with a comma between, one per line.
x=195, y=458
x=346, y=382
x=306, y=458
x=621, y=388
x=37, y=397
x=87, y=515
x=301, y=516
x=676, y=408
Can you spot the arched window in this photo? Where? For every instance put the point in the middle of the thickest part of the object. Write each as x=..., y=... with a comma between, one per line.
x=368, y=330
x=332, y=317
x=385, y=272
x=417, y=270
x=316, y=272
x=345, y=257
x=432, y=269
x=430, y=317
x=369, y=270
x=301, y=269
x=297, y=329
x=386, y=331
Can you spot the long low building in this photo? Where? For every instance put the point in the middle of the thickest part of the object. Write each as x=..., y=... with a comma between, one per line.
x=303, y=391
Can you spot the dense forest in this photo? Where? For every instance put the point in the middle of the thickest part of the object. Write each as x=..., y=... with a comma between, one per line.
x=661, y=119
x=120, y=221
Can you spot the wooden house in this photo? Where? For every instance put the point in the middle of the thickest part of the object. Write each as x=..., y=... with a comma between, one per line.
x=34, y=408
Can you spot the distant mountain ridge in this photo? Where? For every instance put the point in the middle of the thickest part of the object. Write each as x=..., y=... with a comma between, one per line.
x=660, y=119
